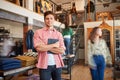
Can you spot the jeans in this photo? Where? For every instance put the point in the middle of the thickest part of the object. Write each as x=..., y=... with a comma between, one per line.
x=98, y=72
x=50, y=73
x=67, y=45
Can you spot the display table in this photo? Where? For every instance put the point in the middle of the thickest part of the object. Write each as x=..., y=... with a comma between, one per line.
x=15, y=71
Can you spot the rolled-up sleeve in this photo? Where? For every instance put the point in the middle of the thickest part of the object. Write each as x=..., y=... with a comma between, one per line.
x=36, y=39
x=61, y=40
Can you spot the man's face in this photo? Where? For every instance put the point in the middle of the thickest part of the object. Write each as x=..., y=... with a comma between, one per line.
x=49, y=20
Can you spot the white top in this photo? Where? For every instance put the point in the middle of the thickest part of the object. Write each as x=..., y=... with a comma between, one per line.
x=98, y=49
x=67, y=36
x=51, y=59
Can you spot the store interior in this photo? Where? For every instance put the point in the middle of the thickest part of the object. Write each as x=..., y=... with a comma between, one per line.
x=18, y=17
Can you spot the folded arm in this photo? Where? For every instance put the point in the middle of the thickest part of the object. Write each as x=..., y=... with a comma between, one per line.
x=57, y=50
x=41, y=47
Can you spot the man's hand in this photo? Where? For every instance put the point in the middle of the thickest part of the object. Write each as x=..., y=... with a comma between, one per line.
x=56, y=45
x=57, y=50
x=44, y=47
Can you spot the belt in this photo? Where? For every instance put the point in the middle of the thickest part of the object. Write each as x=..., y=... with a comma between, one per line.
x=51, y=65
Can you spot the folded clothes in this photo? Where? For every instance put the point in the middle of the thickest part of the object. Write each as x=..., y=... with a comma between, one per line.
x=10, y=66
x=27, y=60
x=9, y=63
x=4, y=61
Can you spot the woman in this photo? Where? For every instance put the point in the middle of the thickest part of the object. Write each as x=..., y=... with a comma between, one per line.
x=98, y=54
x=67, y=34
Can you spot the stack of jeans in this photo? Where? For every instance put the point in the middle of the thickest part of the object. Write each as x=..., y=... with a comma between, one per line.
x=9, y=63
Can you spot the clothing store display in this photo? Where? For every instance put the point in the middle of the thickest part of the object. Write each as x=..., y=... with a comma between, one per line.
x=9, y=63
x=31, y=54
x=92, y=7
x=38, y=3
x=29, y=40
x=46, y=6
x=26, y=60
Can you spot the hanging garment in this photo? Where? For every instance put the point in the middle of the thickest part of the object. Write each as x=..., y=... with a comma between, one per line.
x=31, y=54
x=92, y=7
x=29, y=40
x=38, y=3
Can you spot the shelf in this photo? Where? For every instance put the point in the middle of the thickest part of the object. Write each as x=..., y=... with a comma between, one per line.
x=117, y=39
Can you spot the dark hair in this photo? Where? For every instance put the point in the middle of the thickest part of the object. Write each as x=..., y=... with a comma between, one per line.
x=93, y=33
x=47, y=13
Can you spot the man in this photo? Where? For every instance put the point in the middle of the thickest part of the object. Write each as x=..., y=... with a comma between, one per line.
x=49, y=44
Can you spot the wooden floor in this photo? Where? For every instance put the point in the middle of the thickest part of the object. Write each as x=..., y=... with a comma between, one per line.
x=79, y=72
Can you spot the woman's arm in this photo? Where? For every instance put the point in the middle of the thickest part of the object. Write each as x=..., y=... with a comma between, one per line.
x=91, y=62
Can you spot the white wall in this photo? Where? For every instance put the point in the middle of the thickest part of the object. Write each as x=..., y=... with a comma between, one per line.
x=16, y=29
x=81, y=54
x=80, y=5
x=30, y=5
